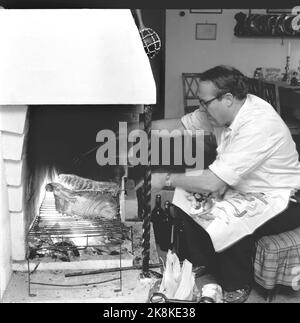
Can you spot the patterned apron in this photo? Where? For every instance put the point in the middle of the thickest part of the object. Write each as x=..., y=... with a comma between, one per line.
x=237, y=215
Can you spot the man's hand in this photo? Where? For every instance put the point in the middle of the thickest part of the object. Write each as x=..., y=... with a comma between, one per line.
x=158, y=181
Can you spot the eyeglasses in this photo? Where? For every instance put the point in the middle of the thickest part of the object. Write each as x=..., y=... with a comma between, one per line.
x=205, y=104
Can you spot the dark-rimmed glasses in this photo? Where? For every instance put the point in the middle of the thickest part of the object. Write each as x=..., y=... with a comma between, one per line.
x=205, y=104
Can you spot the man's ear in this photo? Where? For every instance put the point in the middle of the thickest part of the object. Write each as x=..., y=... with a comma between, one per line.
x=229, y=99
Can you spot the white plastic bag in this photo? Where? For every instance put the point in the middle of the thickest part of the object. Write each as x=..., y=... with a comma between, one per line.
x=177, y=282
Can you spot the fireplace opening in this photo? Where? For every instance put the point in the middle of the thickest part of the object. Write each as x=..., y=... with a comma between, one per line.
x=72, y=205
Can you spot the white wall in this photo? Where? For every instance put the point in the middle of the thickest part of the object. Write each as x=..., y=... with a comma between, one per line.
x=186, y=54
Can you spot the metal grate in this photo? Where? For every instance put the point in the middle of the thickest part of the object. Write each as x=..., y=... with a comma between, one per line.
x=54, y=226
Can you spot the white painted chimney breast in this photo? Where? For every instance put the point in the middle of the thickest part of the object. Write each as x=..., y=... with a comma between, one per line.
x=73, y=56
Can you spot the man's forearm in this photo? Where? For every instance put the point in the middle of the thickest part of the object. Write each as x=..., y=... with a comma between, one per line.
x=204, y=183
x=163, y=124
x=167, y=124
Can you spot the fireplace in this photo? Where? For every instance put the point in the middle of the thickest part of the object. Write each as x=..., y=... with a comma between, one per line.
x=53, y=76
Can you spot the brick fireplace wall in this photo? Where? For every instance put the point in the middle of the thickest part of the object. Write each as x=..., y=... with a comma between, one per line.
x=13, y=133
x=5, y=237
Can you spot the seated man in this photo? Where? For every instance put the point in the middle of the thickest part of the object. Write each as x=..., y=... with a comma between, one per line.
x=256, y=163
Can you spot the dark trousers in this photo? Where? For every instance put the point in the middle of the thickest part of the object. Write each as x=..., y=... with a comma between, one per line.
x=233, y=267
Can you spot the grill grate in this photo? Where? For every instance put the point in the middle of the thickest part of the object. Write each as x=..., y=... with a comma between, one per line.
x=52, y=224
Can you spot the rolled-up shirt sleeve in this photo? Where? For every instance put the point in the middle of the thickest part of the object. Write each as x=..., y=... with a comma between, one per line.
x=246, y=150
x=224, y=172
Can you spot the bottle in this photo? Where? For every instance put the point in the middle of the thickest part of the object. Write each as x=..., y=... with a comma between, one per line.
x=166, y=228
x=156, y=215
x=180, y=245
x=172, y=219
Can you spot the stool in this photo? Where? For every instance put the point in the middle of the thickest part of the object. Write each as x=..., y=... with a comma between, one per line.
x=277, y=261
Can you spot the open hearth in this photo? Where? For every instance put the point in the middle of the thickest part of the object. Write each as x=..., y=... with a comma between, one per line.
x=62, y=140
x=68, y=236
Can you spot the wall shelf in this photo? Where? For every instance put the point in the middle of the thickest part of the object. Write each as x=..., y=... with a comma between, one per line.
x=266, y=26
x=269, y=36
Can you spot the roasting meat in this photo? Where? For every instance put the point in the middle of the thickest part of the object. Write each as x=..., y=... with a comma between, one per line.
x=76, y=183
x=85, y=198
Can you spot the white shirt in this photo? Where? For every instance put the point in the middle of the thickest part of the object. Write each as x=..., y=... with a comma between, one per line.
x=256, y=153
x=257, y=158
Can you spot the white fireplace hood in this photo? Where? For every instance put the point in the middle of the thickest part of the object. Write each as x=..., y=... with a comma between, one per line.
x=73, y=56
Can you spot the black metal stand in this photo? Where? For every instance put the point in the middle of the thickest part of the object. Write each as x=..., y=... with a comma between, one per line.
x=147, y=198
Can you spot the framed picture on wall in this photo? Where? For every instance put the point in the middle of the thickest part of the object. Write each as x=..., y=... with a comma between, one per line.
x=206, y=31
x=206, y=10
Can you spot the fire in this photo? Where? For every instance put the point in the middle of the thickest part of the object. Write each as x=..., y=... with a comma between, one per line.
x=52, y=176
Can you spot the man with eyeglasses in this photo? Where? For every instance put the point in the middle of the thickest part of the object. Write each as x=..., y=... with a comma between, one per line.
x=256, y=171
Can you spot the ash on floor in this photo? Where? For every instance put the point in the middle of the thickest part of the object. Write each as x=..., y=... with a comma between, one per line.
x=133, y=289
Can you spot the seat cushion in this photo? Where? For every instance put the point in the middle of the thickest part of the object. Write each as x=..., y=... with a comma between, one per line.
x=277, y=259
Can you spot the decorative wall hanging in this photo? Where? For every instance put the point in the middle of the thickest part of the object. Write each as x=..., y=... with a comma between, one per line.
x=206, y=31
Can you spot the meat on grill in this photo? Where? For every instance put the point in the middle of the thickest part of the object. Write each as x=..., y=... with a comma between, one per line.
x=76, y=183
x=85, y=198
